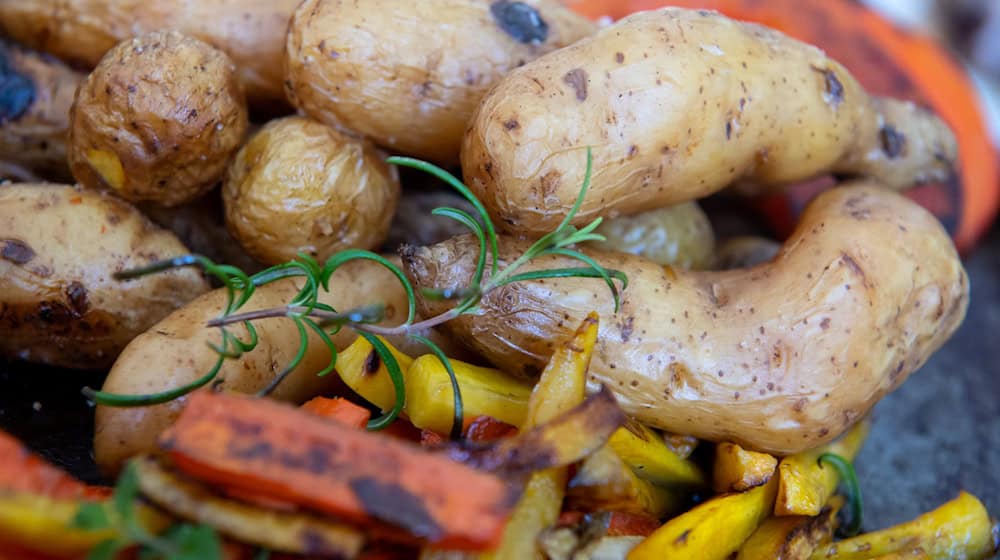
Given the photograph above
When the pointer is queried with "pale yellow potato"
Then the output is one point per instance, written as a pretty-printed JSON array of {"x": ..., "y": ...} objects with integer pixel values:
[
  {"x": 299, "y": 186},
  {"x": 34, "y": 120},
  {"x": 59, "y": 247},
  {"x": 677, "y": 104},
  {"x": 157, "y": 120},
  {"x": 408, "y": 75},
  {"x": 778, "y": 358},
  {"x": 251, "y": 32},
  {"x": 679, "y": 236}
]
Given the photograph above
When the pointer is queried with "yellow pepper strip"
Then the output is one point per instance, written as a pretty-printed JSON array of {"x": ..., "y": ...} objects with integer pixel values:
[
  {"x": 430, "y": 402},
  {"x": 961, "y": 528},
  {"x": 560, "y": 388},
  {"x": 711, "y": 531},
  {"x": 603, "y": 482},
  {"x": 645, "y": 451},
  {"x": 362, "y": 370},
  {"x": 911, "y": 554},
  {"x": 804, "y": 485},
  {"x": 737, "y": 469},
  {"x": 792, "y": 537},
  {"x": 44, "y": 524}
]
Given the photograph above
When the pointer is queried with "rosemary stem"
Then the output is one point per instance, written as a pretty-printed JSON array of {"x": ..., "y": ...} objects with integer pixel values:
[{"x": 279, "y": 312}]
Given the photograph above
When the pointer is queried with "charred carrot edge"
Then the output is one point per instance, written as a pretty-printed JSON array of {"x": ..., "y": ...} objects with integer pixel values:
[
  {"x": 23, "y": 471},
  {"x": 625, "y": 524},
  {"x": 339, "y": 410},
  {"x": 287, "y": 454}
]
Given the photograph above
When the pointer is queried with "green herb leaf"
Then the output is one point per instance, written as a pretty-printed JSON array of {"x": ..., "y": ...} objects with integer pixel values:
[
  {"x": 106, "y": 550},
  {"x": 91, "y": 516},
  {"x": 850, "y": 488},
  {"x": 126, "y": 491},
  {"x": 398, "y": 383},
  {"x": 195, "y": 542}
]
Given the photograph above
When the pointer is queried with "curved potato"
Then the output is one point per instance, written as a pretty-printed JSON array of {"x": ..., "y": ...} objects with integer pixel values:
[
  {"x": 34, "y": 111},
  {"x": 59, "y": 247},
  {"x": 677, "y": 104},
  {"x": 678, "y": 236},
  {"x": 408, "y": 75},
  {"x": 299, "y": 186},
  {"x": 251, "y": 32},
  {"x": 157, "y": 120},
  {"x": 778, "y": 358},
  {"x": 175, "y": 352}
]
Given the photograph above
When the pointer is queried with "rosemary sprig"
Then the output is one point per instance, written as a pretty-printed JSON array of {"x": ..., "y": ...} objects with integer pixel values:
[
  {"x": 850, "y": 488},
  {"x": 310, "y": 315}
]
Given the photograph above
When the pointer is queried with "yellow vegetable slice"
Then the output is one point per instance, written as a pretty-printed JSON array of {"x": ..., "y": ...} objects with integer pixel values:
[
  {"x": 711, "y": 531},
  {"x": 792, "y": 537},
  {"x": 362, "y": 370},
  {"x": 804, "y": 485},
  {"x": 646, "y": 452},
  {"x": 737, "y": 469},
  {"x": 604, "y": 482}
]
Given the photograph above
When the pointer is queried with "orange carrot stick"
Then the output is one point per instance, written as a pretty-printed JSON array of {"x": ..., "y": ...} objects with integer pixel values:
[
  {"x": 339, "y": 410},
  {"x": 23, "y": 471}
]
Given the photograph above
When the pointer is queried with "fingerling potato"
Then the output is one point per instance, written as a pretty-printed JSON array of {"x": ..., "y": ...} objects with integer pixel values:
[
  {"x": 59, "y": 247},
  {"x": 778, "y": 358},
  {"x": 677, "y": 104},
  {"x": 408, "y": 75},
  {"x": 299, "y": 186},
  {"x": 157, "y": 120},
  {"x": 678, "y": 236}
]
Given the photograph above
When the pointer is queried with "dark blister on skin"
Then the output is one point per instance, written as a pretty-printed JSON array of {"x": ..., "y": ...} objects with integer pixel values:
[
  {"x": 16, "y": 251},
  {"x": 893, "y": 142},
  {"x": 17, "y": 91},
  {"x": 520, "y": 21}
]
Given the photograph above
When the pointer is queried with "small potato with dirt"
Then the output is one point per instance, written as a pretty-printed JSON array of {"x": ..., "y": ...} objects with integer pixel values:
[
  {"x": 778, "y": 358},
  {"x": 299, "y": 186},
  {"x": 677, "y": 104},
  {"x": 59, "y": 249},
  {"x": 679, "y": 236},
  {"x": 408, "y": 75},
  {"x": 158, "y": 120},
  {"x": 37, "y": 92}
]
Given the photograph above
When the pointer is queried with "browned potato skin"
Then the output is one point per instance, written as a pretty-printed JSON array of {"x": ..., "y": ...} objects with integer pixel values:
[
  {"x": 779, "y": 358},
  {"x": 59, "y": 247},
  {"x": 409, "y": 74},
  {"x": 252, "y": 32},
  {"x": 35, "y": 140},
  {"x": 157, "y": 120},
  {"x": 174, "y": 353},
  {"x": 299, "y": 186},
  {"x": 677, "y": 104}
]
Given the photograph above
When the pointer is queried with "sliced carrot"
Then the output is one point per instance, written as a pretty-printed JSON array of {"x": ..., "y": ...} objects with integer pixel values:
[
  {"x": 339, "y": 410},
  {"x": 277, "y": 451},
  {"x": 625, "y": 524},
  {"x": 484, "y": 429},
  {"x": 23, "y": 471}
]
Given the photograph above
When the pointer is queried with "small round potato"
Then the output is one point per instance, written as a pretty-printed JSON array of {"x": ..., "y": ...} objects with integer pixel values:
[
  {"x": 157, "y": 120},
  {"x": 59, "y": 301},
  {"x": 679, "y": 236},
  {"x": 409, "y": 75},
  {"x": 299, "y": 186}
]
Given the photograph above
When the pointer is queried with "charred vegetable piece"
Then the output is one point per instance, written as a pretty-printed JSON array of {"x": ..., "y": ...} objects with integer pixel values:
[
  {"x": 339, "y": 410},
  {"x": 281, "y": 452},
  {"x": 792, "y": 538},
  {"x": 649, "y": 456},
  {"x": 805, "y": 485},
  {"x": 961, "y": 528},
  {"x": 738, "y": 470},
  {"x": 604, "y": 482}
]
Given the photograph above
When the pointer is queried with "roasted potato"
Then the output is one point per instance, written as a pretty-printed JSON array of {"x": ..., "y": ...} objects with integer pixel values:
[
  {"x": 302, "y": 187},
  {"x": 779, "y": 358},
  {"x": 252, "y": 32},
  {"x": 157, "y": 120},
  {"x": 34, "y": 112},
  {"x": 409, "y": 74},
  {"x": 59, "y": 247},
  {"x": 679, "y": 236},
  {"x": 678, "y": 104}
]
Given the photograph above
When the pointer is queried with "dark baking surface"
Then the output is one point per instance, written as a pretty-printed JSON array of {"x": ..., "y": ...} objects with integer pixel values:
[{"x": 938, "y": 434}]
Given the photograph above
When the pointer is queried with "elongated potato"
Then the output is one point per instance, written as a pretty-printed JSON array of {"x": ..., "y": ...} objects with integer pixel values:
[
  {"x": 157, "y": 120},
  {"x": 175, "y": 352},
  {"x": 678, "y": 104},
  {"x": 779, "y": 358},
  {"x": 252, "y": 32},
  {"x": 34, "y": 111},
  {"x": 302, "y": 187},
  {"x": 409, "y": 74},
  {"x": 59, "y": 247}
]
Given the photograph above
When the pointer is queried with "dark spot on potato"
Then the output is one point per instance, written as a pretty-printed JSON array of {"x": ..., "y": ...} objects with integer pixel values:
[
  {"x": 825, "y": 323},
  {"x": 619, "y": 57},
  {"x": 520, "y": 21},
  {"x": 17, "y": 91},
  {"x": 682, "y": 539},
  {"x": 633, "y": 151},
  {"x": 626, "y": 329},
  {"x": 855, "y": 267},
  {"x": 549, "y": 183},
  {"x": 577, "y": 79},
  {"x": 729, "y": 130},
  {"x": 372, "y": 363},
  {"x": 388, "y": 501},
  {"x": 511, "y": 124},
  {"x": 17, "y": 251},
  {"x": 76, "y": 293},
  {"x": 834, "y": 88},
  {"x": 893, "y": 141}
]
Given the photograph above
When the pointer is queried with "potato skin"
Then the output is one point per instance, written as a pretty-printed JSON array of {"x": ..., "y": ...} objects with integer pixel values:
[
  {"x": 34, "y": 112},
  {"x": 780, "y": 358},
  {"x": 677, "y": 104},
  {"x": 252, "y": 32},
  {"x": 300, "y": 186},
  {"x": 59, "y": 247},
  {"x": 409, "y": 74},
  {"x": 157, "y": 120},
  {"x": 679, "y": 236}
]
